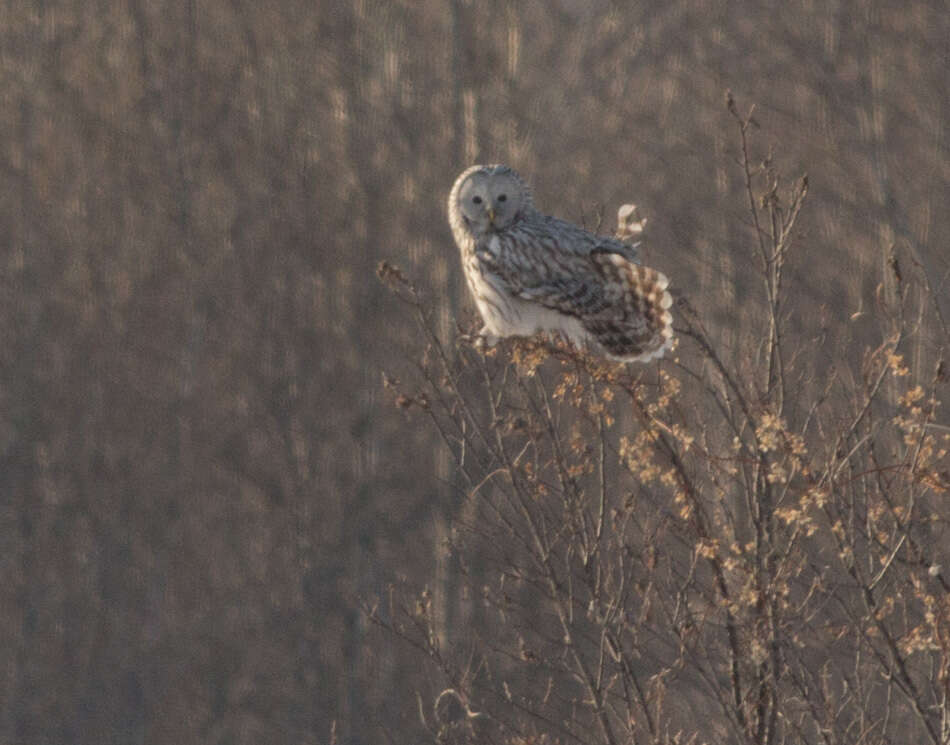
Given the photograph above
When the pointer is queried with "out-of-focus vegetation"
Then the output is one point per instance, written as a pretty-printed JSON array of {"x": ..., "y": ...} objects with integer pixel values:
[{"x": 201, "y": 475}]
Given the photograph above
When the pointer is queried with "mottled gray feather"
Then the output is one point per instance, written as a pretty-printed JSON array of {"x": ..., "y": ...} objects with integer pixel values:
[{"x": 531, "y": 272}]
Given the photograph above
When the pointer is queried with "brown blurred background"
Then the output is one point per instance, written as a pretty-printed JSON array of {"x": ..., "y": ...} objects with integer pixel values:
[{"x": 199, "y": 472}]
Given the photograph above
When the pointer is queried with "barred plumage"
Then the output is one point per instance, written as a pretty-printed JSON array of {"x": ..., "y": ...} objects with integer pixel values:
[{"x": 531, "y": 272}]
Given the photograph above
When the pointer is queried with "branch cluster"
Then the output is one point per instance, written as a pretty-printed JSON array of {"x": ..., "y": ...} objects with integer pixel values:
[{"x": 699, "y": 552}]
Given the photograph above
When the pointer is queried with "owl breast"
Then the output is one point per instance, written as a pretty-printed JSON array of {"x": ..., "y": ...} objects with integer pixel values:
[{"x": 505, "y": 314}]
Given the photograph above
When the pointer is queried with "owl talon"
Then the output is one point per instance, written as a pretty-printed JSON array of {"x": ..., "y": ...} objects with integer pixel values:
[
  {"x": 482, "y": 340},
  {"x": 485, "y": 340}
]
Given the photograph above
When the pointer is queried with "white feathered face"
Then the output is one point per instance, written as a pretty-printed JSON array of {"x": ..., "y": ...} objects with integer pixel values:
[{"x": 491, "y": 198}]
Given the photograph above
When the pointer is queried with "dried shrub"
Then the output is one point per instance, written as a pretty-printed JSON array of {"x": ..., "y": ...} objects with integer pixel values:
[{"x": 699, "y": 551}]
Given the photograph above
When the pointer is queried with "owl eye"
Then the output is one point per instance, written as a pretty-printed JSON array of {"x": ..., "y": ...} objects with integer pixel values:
[
  {"x": 477, "y": 200},
  {"x": 503, "y": 198}
]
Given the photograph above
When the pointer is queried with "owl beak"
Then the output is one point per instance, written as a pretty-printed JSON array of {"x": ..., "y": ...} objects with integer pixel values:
[{"x": 491, "y": 215}]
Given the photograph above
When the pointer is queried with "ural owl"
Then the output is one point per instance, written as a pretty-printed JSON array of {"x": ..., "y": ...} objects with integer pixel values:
[{"x": 530, "y": 272}]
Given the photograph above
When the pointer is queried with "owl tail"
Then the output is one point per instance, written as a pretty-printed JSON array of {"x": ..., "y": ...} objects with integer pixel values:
[{"x": 637, "y": 327}]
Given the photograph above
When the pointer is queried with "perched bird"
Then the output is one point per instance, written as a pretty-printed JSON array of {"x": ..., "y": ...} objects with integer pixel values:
[{"x": 530, "y": 272}]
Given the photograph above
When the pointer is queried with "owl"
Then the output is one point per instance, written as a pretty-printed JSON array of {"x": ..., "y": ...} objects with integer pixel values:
[{"x": 531, "y": 273}]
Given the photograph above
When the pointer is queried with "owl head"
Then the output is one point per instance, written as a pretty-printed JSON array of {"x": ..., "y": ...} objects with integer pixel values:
[{"x": 487, "y": 199}]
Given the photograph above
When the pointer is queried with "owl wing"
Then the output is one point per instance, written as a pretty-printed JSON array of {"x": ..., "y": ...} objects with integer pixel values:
[
  {"x": 561, "y": 269},
  {"x": 599, "y": 285},
  {"x": 621, "y": 304}
]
